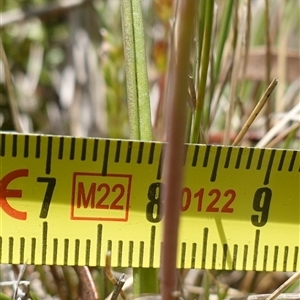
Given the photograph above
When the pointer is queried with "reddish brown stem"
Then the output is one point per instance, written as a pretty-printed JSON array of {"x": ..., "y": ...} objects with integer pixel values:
[
  {"x": 176, "y": 102},
  {"x": 88, "y": 291}
]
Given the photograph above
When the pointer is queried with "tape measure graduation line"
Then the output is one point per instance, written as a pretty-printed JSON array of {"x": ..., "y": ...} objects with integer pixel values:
[{"x": 67, "y": 201}]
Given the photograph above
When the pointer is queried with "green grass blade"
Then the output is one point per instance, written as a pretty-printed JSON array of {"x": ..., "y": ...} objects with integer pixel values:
[
  {"x": 145, "y": 280},
  {"x": 224, "y": 30},
  {"x": 204, "y": 69},
  {"x": 199, "y": 41},
  {"x": 141, "y": 72},
  {"x": 130, "y": 62}
]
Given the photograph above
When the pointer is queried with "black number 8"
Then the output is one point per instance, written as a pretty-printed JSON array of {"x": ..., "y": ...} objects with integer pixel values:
[
  {"x": 154, "y": 208},
  {"x": 261, "y": 203}
]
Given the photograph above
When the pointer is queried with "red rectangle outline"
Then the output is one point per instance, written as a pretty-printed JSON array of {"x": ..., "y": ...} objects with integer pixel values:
[{"x": 125, "y": 219}]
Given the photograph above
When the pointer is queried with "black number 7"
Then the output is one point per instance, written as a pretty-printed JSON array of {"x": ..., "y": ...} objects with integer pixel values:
[{"x": 48, "y": 195}]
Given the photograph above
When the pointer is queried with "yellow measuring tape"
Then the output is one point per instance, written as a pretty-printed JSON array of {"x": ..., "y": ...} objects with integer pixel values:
[{"x": 67, "y": 201}]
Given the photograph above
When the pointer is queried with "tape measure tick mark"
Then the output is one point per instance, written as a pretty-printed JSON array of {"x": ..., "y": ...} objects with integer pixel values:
[
  {"x": 193, "y": 257},
  {"x": 118, "y": 150},
  {"x": 216, "y": 164},
  {"x": 286, "y": 253},
  {"x": 2, "y": 148},
  {"x": 38, "y": 147},
  {"x": 26, "y": 146},
  {"x": 296, "y": 256},
  {"x": 140, "y": 153},
  {"x": 152, "y": 246},
  {"x": 260, "y": 160},
  {"x": 120, "y": 252},
  {"x": 256, "y": 243},
  {"x": 76, "y": 256},
  {"x": 11, "y": 250},
  {"x": 129, "y": 150},
  {"x": 183, "y": 253},
  {"x": 245, "y": 257},
  {"x": 72, "y": 149},
  {"x": 141, "y": 256},
  {"x": 195, "y": 157},
  {"x": 281, "y": 160},
  {"x": 225, "y": 251},
  {"x": 151, "y": 153},
  {"x": 275, "y": 258},
  {"x": 109, "y": 246},
  {"x": 234, "y": 256},
  {"x": 228, "y": 156},
  {"x": 204, "y": 247},
  {"x": 87, "y": 252},
  {"x": 269, "y": 167},
  {"x": 44, "y": 242},
  {"x": 99, "y": 244},
  {"x": 83, "y": 149},
  {"x": 22, "y": 247},
  {"x": 105, "y": 158},
  {"x": 33, "y": 248},
  {"x": 206, "y": 156},
  {"x": 239, "y": 158},
  {"x": 49, "y": 155},
  {"x": 250, "y": 156},
  {"x": 161, "y": 161},
  {"x": 266, "y": 251},
  {"x": 95, "y": 150},
  {"x": 214, "y": 256},
  {"x": 291, "y": 166},
  {"x": 14, "y": 145},
  {"x": 66, "y": 251},
  {"x": 61, "y": 148},
  {"x": 130, "y": 254},
  {"x": 55, "y": 248}
]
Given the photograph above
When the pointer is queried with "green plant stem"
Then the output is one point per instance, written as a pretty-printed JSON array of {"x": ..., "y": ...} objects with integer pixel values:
[
  {"x": 199, "y": 48},
  {"x": 199, "y": 44},
  {"x": 206, "y": 285},
  {"x": 141, "y": 72},
  {"x": 136, "y": 70},
  {"x": 268, "y": 110},
  {"x": 224, "y": 28},
  {"x": 188, "y": 126},
  {"x": 240, "y": 22},
  {"x": 204, "y": 68},
  {"x": 131, "y": 81},
  {"x": 290, "y": 138},
  {"x": 10, "y": 90},
  {"x": 145, "y": 280}
]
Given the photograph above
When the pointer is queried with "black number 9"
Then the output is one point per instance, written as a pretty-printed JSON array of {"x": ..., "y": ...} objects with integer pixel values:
[
  {"x": 154, "y": 207},
  {"x": 261, "y": 203}
]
